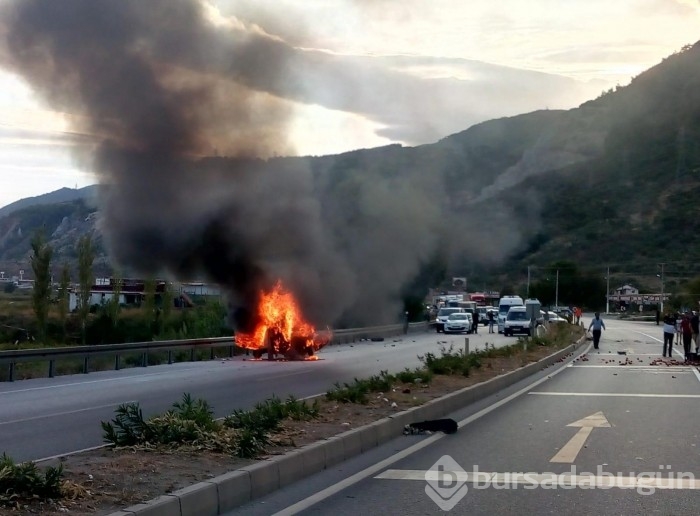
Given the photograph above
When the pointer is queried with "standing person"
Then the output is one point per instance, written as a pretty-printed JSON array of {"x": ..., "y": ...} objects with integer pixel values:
[
  {"x": 489, "y": 314},
  {"x": 475, "y": 321},
  {"x": 687, "y": 334},
  {"x": 598, "y": 325},
  {"x": 669, "y": 332},
  {"x": 678, "y": 328},
  {"x": 695, "y": 326}
]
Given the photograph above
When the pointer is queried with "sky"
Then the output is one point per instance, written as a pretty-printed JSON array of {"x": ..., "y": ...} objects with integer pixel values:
[{"x": 374, "y": 72}]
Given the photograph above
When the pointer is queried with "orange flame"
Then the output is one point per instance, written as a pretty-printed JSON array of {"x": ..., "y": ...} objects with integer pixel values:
[{"x": 281, "y": 327}]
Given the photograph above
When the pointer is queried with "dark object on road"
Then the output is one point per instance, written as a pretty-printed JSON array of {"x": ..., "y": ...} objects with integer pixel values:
[
  {"x": 448, "y": 426},
  {"x": 377, "y": 339},
  {"x": 622, "y": 352}
]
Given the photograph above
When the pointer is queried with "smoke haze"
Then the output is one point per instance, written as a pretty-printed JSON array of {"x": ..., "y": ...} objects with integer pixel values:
[{"x": 167, "y": 88}]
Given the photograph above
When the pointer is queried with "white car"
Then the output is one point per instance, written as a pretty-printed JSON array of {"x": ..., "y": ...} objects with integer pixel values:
[
  {"x": 459, "y": 323},
  {"x": 552, "y": 317},
  {"x": 442, "y": 316}
]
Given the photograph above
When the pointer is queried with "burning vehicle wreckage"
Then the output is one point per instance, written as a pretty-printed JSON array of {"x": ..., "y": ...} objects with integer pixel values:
[{"x": 280, "y": 331}]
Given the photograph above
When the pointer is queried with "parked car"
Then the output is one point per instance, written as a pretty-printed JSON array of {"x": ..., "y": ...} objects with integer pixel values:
[
  {"x": 460, "y": 322},
  {"x": 554, "y": 318},
  {"x": 484, "y": 314},
  {"x": 563, "y": 312},
  {"x": 442, "y": 316}
]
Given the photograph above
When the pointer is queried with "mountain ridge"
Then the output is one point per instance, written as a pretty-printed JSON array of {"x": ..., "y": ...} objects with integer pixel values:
[{"x": 609, "y": 181}]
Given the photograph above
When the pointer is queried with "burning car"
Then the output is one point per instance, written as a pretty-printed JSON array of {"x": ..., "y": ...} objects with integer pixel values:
[{"x": 281, "y": 330}]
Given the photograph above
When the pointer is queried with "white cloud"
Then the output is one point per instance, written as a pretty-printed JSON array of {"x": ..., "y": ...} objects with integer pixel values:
[{"x": 370, "y": 72}]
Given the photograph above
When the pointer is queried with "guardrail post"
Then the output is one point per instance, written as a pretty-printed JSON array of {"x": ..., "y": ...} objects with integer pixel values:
[
  {"x": 144, "y": 359},
  {"x": 230, "y": 351},
  {"x": 192, "y": 355},
  {"x": 116, "y": 362},
  {"x": 211, "y": 355},
  {"x": 11, "y": 372},
  {"x": 170, "y": 356},
  {"x": 86, "y": 364},
  {"x": 51, "y": 368}
]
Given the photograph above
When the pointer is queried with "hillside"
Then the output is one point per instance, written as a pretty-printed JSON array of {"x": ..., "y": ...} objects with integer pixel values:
[
  {"x": 57, "y": 196},
  {"x": 612, "y": 181}
]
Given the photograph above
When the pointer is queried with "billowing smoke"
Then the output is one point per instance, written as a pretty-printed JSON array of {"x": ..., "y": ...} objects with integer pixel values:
[{"x": 188, "y": 111}]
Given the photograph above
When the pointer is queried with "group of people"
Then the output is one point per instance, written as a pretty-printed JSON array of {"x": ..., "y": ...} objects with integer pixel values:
[{"x": 683, "y": 328}]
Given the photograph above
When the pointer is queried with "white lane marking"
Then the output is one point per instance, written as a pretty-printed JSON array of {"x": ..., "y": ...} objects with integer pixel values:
[
  {"x": 696, "y": 373},
  {"x": 615, "y": 394},
  {"x": 499, "y": 480},
  {"x": 318, "y": 497},
  {"x": 58, "y": 386},
  {"x": 92, "y": 448},
  {"x": 647, "y": 335},
  {"x": 267, "y": 378},
  {"x": 55, "y": 414},
  {"x": 313, "y": 396},
  {"x": 569, "y": 452},
  {"x": 660, "y": 367}
]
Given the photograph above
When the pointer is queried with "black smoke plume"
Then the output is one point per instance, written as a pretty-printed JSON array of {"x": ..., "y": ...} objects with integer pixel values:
[{"x": 166, "y": 90}]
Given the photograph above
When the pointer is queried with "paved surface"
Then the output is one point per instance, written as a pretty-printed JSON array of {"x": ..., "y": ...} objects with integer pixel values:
[
  {"x": 46, "y": 417},
  {"x": 607, "y": 420}
]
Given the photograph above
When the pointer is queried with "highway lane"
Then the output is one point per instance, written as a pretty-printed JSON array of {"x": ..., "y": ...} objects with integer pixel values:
[
  {"x": 51, "y": 416},
  {"x": 608, "y": 421}
]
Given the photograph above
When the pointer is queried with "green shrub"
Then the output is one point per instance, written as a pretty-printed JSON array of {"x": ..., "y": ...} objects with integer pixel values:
[
  {"x": 355, "y": 392},
  {"x": 410, "y": 376},
  {"x": 25, "y": 481},
  {"x": 449, "y": 362}
]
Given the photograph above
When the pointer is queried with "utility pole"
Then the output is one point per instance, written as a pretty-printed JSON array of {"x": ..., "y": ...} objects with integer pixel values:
[
  {"x": 607, "y": 291},
  {"x": 527, "y": 295},
  {"x": 556, "y": 294}
]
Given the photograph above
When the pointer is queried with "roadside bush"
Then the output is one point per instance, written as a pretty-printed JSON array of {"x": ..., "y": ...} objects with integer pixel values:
[
  {"x": 355, "y": 392},
  {"x": 381, "y": 382},
  {"x": 25, "y": 481},
  {"x": 449, "y": 362},
  {"x": 254, "y": 426},
  {"x": 410, "y": 376}
]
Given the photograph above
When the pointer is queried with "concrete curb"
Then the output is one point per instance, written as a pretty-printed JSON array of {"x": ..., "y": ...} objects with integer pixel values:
[{"x": 226, "y": 492}]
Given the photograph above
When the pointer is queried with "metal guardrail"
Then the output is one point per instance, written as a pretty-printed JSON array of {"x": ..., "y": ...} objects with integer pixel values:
[{"x": 51, "y": 355}]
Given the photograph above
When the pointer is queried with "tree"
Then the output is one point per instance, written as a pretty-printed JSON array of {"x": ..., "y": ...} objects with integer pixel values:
[
  {"x": 63, "y": 298},
  {"x": 167, "y": 307},
  {"x": 114, "y": 306},
  {"x": 86, "y": 255},
  {"x": 41, "y": 267},
  {"x": 149, "y": 304}
]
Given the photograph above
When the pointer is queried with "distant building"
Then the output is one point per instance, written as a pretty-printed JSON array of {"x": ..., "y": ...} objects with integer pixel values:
[
  {"x": 132, "y": 292},
  {"x": 627, "y": 294}
]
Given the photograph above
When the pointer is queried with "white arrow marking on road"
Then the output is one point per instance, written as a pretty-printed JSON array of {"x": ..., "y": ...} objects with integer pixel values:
[{"x": 571, "y": 449}]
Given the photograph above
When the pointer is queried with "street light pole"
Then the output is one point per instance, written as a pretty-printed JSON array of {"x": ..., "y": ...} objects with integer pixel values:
[{"x": 556, "y": 293}]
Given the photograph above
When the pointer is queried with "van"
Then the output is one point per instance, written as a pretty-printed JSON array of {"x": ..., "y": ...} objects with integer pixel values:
[
  {"x": 505, "y": 303},
  {"x": 517, "y": 321}
]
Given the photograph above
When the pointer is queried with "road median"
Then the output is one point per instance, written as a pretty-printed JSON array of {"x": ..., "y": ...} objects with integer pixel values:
[{"x": 235, "y": 488}]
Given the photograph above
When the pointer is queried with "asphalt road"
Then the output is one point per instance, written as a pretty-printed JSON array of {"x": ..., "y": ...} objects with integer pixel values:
[
  {"x": 606, "y": 435},
  {"x": 46, "y": 417}
]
